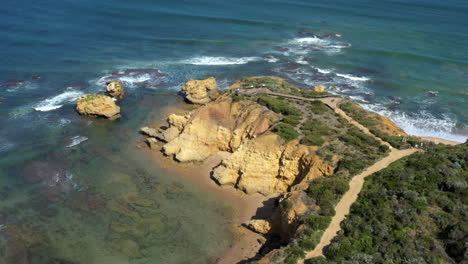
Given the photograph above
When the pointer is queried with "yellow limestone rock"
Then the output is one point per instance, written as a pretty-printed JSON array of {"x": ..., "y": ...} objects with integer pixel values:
[
  {"x": 115, "y": 89},
  {"x": 219, "y": 126},
  {"x": 266, "y": 165},
  {"x": 260, "y": 226},
  {"x": 319, "y": 88},
  {"x": 98, "y": 105},
  {"x": 201, "y": 91}
]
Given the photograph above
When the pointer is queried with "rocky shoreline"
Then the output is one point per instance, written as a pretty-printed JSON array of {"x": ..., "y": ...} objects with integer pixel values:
[
  {"x": 256, "y": 159},
  {"x": 276, "y": 143}
]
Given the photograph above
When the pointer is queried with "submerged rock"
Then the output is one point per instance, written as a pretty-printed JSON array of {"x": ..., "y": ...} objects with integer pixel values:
[
  {"x": 115, "y": 89},
  {"x": 98, "y": 105},
  {"x": 201, "y": 91}
]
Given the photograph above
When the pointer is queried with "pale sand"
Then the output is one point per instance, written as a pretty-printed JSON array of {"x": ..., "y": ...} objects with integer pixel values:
[
  {"x": 246, "y": 243},
  {"x": 344, "y": 205}
]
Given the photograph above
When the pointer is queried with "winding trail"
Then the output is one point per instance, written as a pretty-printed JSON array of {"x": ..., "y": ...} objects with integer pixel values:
[
  {"x": 344, "y": 205},
  {"x": 356, "y": 183}
]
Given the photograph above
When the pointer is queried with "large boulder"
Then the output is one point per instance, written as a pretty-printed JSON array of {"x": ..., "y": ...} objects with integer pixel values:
[
  {"x": 98, "y": 105},
  {"x": 115, "y": 89},
  {"x": 201, "y": 91},
  {"x": 319, "y": 88}
]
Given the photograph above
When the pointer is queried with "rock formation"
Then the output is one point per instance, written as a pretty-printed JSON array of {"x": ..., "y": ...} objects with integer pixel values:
[
  {"x": 98, "y": 105},
  {"x": 266, "y": 165},
  {"x": 115, "y": 89},
  {"x": 260, "y": 161},
  {"x": 319, "y": 88},
  {"x": 220, "y": 126},
  {"x": 260, "y": 226},
  {"x": 201, "y": 91}
]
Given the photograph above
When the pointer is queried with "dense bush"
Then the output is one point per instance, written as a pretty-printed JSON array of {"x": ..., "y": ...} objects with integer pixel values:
[
  {"x": 286, "y": 131},
  {"x": 278, "y": 105},
  {"x": 414, "y": 211},
  {"x": 293, "y": 120},
  {"x": 317, "y": 107},
  {"x": 271, "y": 83},
  {"x": 312, "y": 140},
  {"x": 315, "y": 127}
]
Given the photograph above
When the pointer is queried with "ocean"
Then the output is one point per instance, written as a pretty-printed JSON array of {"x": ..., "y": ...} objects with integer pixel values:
[{"x": 67, "y": 182}]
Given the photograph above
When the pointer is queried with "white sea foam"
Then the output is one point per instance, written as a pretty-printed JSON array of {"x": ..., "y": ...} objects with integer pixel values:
[
  {"x": 323, "y": 71},
  {"x": 310, "y": 40},
  {"x": 52, "y": 103},
  {"x": 76, "y": 140},
  {"x": 352, "y": 77},
  {"x": 422, "y": 123},
  {"x": 271, "y": 59},
  {"x": 301, "y": 60},
  {"x": 135, "y": 79},
  {"x": 207, "y": 60}
]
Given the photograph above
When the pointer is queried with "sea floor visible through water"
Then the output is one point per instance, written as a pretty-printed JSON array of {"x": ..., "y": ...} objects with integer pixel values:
[{"x": 107, "y": 201}]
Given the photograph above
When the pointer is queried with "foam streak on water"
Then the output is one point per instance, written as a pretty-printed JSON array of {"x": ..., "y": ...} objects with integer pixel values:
[{"x": 55, "y": 102}]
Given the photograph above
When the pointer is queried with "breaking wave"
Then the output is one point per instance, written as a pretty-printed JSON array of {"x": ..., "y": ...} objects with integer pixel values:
[
  {"x": 49, "y": 104},
  {"x": 216, "y": 61}
]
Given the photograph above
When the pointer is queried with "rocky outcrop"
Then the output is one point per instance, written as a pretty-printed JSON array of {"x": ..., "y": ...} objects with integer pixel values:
[
  {"x": 115, "y": 89},
  {"x": 286, "y": 219},
  {"x": 201, "y": 91},
  {"x": 220, "y": 126},
  {"x": 319, "y": 88},
  {"x": 98, "y": 105},
  {"x": 261, "y": 161},
  {"x": 260, "y": 226},
  {"x": 266, "y": 165}
]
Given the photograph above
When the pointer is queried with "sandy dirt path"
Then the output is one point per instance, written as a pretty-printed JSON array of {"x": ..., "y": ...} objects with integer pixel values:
[{"x": 344, "y": 205}]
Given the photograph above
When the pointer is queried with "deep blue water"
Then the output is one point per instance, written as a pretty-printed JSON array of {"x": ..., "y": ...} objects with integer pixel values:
[{"x": 405, "y": 59}]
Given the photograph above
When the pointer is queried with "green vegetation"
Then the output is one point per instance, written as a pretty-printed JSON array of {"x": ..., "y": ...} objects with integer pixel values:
[
  {"x": 89, "y": 97},
  {"x": 286, "y": 131},
  {"x": 326, "y": 192},
  {"x": 278, "y": 106},
  {"x": 414, "y": 211},
  {"x": 317, "y": 107},
  {"x": 312, "y": 140},
  {"x": 308, "y": 93},
  {"x": 293, "y": 120},
  {"x": 375, "y": 125},
  {"x": 274, "y": 84}
]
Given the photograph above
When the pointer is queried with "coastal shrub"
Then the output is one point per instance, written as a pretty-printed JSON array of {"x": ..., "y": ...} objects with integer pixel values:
[
  {"x": 278, "y": 106},
  {"x": 274, "y": 84},
  {"x": 308, "y": 93},
  {"x": 352, "y": 165},
  {"x": 395, "y": 141},
  {"x": 317, "y": 107},
  {"x": 414, "y": 211},
  {"x": 293, "y": 120},
  {"x": 237, "y": 98},
  {"x": 286, "y": 131},
  {"x": 315, "y": 127},
  {"x": 294, "y": 252},
  {"x": 312, "y": 140},
  {"x": 318, "y": 222}
]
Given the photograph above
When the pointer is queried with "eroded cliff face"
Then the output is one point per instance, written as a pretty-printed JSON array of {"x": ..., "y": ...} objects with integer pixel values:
[
  {"x": 260, "y": 162},
  {"x": 266, "y": 165},
  {"x": 222, "y": 125}
]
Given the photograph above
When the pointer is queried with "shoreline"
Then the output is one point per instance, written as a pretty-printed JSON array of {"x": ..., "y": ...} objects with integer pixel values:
[{"x": 246, "y": 243}]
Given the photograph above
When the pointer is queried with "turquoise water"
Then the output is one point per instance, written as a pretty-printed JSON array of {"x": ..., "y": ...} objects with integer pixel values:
[{"x": 405, "y": 59}]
